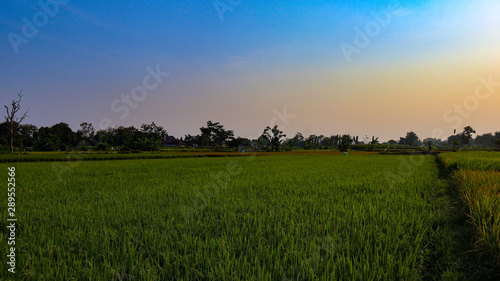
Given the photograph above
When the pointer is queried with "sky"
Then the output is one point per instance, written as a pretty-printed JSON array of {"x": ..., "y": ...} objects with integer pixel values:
[{"x": 375, "y": 68}]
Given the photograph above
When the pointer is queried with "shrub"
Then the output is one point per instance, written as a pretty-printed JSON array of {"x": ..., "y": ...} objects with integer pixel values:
[{"x": 102, "y": 147}]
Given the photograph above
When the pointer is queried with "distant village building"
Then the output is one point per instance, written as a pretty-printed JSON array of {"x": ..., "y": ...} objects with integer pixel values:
[{"x": 171, "y": 141}]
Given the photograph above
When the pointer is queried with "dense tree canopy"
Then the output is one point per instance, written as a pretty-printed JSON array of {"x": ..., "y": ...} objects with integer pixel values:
[
  {"x": 412, "y": 139},
  {"x": 150, "y": 137},
  {"x": 274, "y": 137},
  {"x": 214, "y": 134},
  {"x": 467, "y": 135}
]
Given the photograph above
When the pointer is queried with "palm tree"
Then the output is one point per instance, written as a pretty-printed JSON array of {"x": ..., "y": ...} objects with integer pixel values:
[{"x": 373, "y": 143}]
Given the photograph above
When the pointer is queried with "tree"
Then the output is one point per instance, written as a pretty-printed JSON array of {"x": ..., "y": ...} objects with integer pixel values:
[
  {"x": 4, "y": 134},
  {"x": 149, "y": 137},
  {"x": 373, "y": 142},
  {"x": 497, "y": 135},
  {"x": 58, "y": 137},
  {"x": 320, "y": 140},
  {"x": 429, "y": 145},
  {"x": 221, "y": 136},
  {"x": 288, "y": 145},
  {"x": 24, "y": 135},
  {"x": 215, "y": 134},
  {"x": 412, "y": 139},
  {"x": 208, "y": 133},
  {"x": 87, "y": 132},
  {"x": 298, "y": 140},
  {"x": 117, "y": 137},
  {"x": 467, "y": 135},
  {"x": 27, "y": 135},
  {"x": 102, "y": 136},
  {"x": 45, "y": 140},
  {"x": 312, "y": 142},
  {"x": 435, "y": 142},
  {"x": 153, "y": 136},
  {"x": 238, "y": 142},
  {"x": 329, "y": 141},
  {"x": 67, "y": 138},
  {"x": 497, "y": 143},
  {"x": 191, "y": 140},
  {"x": 335, "y": 140},
  {"x": 345, "y": 143},
  {"x": 274, "y": 136},
  {"x": 308, "y": 143},
  {"x": 485, "y": 140},
  {"x": 13, "y": 122},
  {"x": 454, "y": 138},
  {"x": 262, "y": 142}
]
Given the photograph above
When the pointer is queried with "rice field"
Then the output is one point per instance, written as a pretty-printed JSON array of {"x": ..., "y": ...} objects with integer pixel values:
[
  {"x": 481, "y": 192},
  {"x": 472, "y": 160},
  {"x": 477, "y": 176},
  {"x": 280, "y": 217},
  {"x": 75, "y": 156}
]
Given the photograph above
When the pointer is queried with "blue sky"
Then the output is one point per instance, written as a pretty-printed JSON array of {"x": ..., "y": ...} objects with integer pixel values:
[{"x": 264, "y": 56}]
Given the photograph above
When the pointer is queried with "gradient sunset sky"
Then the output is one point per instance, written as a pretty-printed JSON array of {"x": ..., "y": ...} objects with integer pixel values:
[{"x": 424, "y": 60}]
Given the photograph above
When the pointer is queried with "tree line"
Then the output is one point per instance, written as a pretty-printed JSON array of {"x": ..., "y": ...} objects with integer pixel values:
[{"x": 151, "y": 137}]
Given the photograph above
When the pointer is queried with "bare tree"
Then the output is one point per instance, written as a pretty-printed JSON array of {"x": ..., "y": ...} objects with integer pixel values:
[{"x": 13, "y": 122}]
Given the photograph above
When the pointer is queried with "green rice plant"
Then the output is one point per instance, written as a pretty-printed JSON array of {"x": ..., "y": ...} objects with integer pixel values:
[
  {"x": 481, "y": 161},
  {"x": 94, "y": 156},
  {"x": 481, "y": 191},
  {"x": 477, "y": 177},
  {"x": 279, "y": 217}
]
